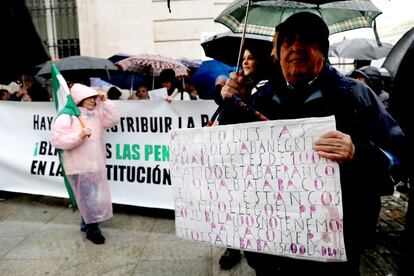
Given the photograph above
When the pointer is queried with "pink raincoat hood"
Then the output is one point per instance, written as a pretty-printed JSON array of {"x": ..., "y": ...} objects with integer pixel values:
[{"x": 80, "y": 92}]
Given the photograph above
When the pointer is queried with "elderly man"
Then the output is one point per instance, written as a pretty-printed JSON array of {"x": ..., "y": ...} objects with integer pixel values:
[{"x": 305, "y": 85}]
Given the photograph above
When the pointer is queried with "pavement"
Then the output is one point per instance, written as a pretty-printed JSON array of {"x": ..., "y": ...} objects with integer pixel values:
[{"x": 40, "y": 235}]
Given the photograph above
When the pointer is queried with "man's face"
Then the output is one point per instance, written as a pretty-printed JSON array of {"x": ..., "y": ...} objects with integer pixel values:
[{"x": 301, "y": 59}]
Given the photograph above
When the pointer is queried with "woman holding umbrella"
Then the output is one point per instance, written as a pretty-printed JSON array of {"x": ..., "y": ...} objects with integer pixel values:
[
  {"x": 255, "y": 72},
  {"x": 256, "y": 69}
]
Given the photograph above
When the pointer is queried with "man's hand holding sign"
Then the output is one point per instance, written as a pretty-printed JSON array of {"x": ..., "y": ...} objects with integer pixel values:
[{"x": 336, "y": 146}]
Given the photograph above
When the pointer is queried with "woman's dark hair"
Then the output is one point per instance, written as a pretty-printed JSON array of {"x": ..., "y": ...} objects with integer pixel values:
[
  {"x": 168, "y": 75},
  {"x": 261, "y": 53},
  {"x": 114, "y": 93}
]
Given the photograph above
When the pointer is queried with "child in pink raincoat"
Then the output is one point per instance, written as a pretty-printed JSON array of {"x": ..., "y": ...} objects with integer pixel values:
[{"x": 84, "y": 156}]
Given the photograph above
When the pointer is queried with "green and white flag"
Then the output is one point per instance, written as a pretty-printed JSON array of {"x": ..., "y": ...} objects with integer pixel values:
[
  {"x": 63, "y": 100},
  {"x": 64, "y": 105}
]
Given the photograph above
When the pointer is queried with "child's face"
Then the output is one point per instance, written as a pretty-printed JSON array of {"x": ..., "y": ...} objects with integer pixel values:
[
  {"x": 89, "y": 103},
  {"x": 142, "y": 93}
]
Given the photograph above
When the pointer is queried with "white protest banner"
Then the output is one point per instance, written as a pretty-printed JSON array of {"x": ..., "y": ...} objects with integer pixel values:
[
  {"x": 259, "y": 187},
  {"x": 137, "y": 149}
]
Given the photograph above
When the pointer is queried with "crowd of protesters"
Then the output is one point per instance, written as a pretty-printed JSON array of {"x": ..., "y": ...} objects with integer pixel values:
[
  {"x": 30, "y": 90},
  {"x": 293, "y": 80}
]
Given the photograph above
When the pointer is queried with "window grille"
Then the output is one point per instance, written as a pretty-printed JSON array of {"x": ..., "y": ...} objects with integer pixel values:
[{"x": 57, "y": 24}]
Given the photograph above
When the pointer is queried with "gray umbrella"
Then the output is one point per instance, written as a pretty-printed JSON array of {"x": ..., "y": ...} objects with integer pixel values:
[
  {"x": 80, "y": 63},
  {"x": 360, "y": 48}
]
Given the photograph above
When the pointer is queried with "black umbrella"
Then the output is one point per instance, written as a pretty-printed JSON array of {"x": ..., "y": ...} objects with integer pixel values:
[
  {"x": 118, "y": 57},
  {"x": 398, "y": 52},
  {"x": 402, "y": 93},
  {"x": 225, "y": 46},
  {"x": 21, "y": 48}
]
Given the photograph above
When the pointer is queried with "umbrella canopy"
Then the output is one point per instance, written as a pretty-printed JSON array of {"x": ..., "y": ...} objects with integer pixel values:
[
  {"x": 190, "y": 63},
  {"x": 205, "y": 77},
  {"x": 360, "y": 48},
  {"x": 318, "y": 2},
  {"x": 266, "y": 14},
  {"x": 398, "y": 52},
  {"x": 80, "y": 65},
  {"x": 224, "y": 46},
  {"x": 401, "y": 94},
  {"x": 152, "y": 65}
]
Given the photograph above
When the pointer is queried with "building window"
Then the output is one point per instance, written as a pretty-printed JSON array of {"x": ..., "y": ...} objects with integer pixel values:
[{"x": 57, "y": 24}]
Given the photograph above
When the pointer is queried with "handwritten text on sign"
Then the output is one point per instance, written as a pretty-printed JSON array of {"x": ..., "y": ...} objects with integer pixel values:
[{"x": 259, "y": 187}]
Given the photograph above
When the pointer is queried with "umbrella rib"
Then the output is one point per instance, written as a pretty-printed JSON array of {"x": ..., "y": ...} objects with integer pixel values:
[{"x": 243, "y": 35}]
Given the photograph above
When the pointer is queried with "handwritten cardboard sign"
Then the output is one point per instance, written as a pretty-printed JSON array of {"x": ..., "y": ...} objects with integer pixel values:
[
  {"x": 259, "y": 187},
  {"x": 158, "y": 94}
]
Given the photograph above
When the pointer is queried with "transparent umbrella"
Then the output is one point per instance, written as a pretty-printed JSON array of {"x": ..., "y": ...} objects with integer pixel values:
[{"x": 360, "y": 48}]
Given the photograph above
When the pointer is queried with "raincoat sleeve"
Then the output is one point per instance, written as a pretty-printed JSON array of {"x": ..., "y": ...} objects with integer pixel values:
[
  {"x": 110, "y": 114},
  {"x": 66, "y": 133}
]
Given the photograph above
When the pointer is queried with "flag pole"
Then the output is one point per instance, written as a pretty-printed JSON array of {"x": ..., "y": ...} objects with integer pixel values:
[{"x": 64, "y": 105}]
